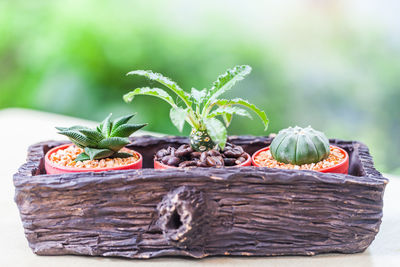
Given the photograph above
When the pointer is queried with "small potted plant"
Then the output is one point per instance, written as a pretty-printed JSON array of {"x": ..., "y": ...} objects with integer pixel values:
[
  {"x": 100, "y": 149},
  {"x": 208, "y": 146},
  {"x": 302, "y": 149}
]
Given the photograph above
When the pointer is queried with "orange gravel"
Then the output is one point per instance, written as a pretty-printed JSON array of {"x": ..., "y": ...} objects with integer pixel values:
[
  {"x": 66, "y": 157},
  {"x": 265, "y": 159}
]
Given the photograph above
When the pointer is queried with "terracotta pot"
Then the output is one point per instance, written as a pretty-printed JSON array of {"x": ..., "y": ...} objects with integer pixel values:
[
  {"x": 161, "y": 166},
  {"x": 342, "y": 167},
  {"x": 52, "y": 168}
]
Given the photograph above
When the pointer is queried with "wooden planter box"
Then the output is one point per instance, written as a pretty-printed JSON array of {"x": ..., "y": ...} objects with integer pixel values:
[{"x": 200, "y": 212}]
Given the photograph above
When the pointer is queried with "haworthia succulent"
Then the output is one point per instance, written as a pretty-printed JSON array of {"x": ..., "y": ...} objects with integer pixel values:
[
  {"x": 106, "y": 140},
  {"x": 82, "y": 157},
  {"x": 78, "y": 138},
  {"x": 114, "y": 143},
  {"x": 122, "y": 155},
  {"x": 125, "y": 130},
  {"x": 77, "y": 127},
  {"x": 121, "y": 121},
  {"x": 97, "y": 153},
  {"x": 92, "y": 134},
  {"x": 106, "y": 126}
]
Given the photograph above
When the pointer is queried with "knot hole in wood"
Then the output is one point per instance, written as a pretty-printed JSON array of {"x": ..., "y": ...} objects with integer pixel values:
[{"x": 182, "y": 216}]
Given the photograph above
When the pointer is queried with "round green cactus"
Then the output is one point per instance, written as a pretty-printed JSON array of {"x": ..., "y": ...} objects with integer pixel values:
[{"x": 300, "y": 146}]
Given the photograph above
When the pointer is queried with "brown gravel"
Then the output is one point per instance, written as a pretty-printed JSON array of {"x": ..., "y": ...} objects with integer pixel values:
[
  {"x": 66, "y": 157},
  {"x": 265, "y": 159}
]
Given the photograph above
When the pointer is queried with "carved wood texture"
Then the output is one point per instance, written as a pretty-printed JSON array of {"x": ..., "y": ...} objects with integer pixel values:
[{"x": 200, "y": 212}]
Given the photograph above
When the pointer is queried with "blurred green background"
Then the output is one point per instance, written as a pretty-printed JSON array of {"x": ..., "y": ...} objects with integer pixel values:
[{"x": 332, "y": 64}]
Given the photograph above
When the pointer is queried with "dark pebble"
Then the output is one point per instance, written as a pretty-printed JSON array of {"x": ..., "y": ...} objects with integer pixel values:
[
  {"x": 211, "y": 161},
  {"x": 161, "y": 153},
  {"x": 229, "y": 161},
  {"x": 165, "y": 159},
  {"x": 173, "y": 161},
  {"x": 244, "y": 155},
  {"x": 184, "y": 156},
  {"x": 203, "y": 156},
  {"x": 213, "y": 153},
  {"x": 195, "y": 154},
  {"x": 201, "y": 164},
  {"x": 183, "y": 150},
  {"x": 187, "y": 163},
  {"x": 240, "y": 160},
  {"x": 235, "y": 152},
  {"x": 219, "y": 161},
  {"x": 214, "y": 161}
]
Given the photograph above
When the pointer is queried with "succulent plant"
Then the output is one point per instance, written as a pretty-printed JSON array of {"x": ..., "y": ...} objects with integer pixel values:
[
  {"x": 300, "y": 146},
  {"x": 105, "y": 141},
  {"x": 201, "y": 107}
]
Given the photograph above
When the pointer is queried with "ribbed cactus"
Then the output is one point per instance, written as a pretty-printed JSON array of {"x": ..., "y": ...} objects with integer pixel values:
[
  {"x": 300, "y": 146},
  {"x": 104, "y": 141}
]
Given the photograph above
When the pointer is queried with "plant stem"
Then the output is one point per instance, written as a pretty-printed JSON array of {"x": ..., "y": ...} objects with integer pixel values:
[{"x": 192, "y": 118}]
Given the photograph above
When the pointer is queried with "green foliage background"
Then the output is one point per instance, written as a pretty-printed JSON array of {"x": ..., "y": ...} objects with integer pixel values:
[{"x": 325, "y": 64}]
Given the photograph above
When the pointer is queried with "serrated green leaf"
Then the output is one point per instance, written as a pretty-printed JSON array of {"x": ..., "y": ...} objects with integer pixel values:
[
  {"x": 95, "y": 153},
  {"x": 126, "y": 130},
  {"x": 122, "y": 155},
  {"x": 157, "y": 92},
  {"x": 164, "y": 81},
  {"x": 178, "y": 116},
  {"x": 217, "y": 131},
  {"x": 78, "y": 138},
  {"x": 239, "y": 101},
  {"x": 227, "y": 119},
  {"x": 106, "y": 126},
  {"x": 92, "y": 134},
  {"x": 82, "y": 157},
  {"x": 121, "y": 120},
  {"x": 227, "y": 80},
  {"x": 114, "y": 143},
  {"x": 198, "y": 96},
  {"x": 229, "y": 110}
]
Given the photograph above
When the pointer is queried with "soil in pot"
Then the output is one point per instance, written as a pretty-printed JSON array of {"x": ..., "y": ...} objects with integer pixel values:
[
  {"x": 337, "y": 161},
  {"x": 185, "y": 156},
  {"x": 61, "y": 159}
]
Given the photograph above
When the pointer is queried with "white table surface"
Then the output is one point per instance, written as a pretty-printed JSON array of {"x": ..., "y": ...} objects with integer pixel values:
[{"x": 20, "y": 128}]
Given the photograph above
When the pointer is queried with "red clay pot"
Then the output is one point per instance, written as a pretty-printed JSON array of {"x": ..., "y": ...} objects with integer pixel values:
[
  {"x": 52, "y": 168},
  {"x": 161, "y": 166},
  {"x": 342, "y": 167}
]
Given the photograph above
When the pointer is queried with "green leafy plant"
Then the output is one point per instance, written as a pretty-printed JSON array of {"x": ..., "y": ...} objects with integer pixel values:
[
  {"x": 202, "y": 107},
  {"x": 105, "y": 141}
]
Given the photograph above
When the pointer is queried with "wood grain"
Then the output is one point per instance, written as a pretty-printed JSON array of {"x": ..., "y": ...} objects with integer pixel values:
[{"x": 200, "y": 212}]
